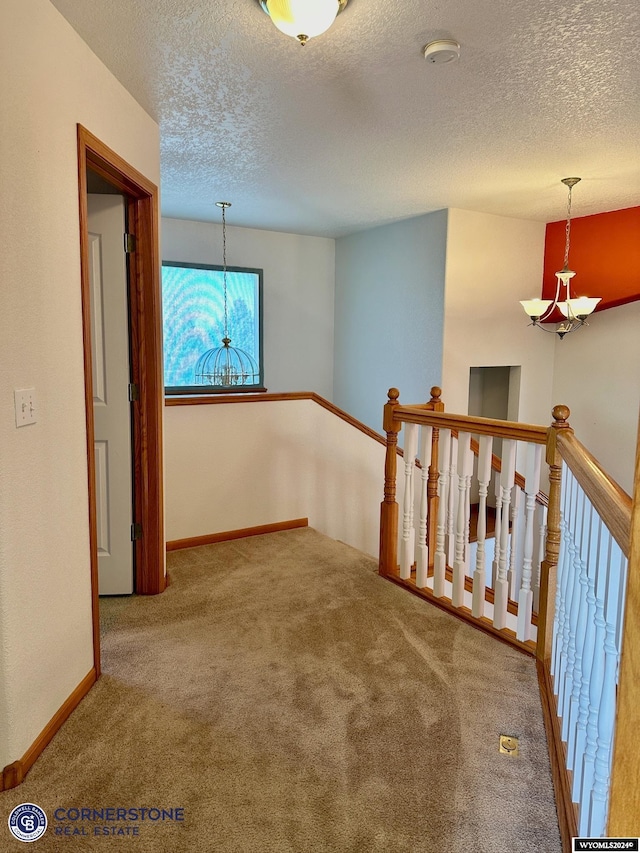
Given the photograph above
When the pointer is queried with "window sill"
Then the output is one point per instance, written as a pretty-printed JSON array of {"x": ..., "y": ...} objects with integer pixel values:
[
  {"x": 203, "y": 391},
  {"x": 202, "y": 398}
]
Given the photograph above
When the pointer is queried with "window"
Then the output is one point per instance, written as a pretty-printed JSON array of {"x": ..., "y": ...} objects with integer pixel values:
[{"x": 193, "y": 324}]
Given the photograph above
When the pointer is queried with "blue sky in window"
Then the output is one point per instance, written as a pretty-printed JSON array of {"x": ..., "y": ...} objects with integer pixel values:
[{"x": 193, "y": 317}]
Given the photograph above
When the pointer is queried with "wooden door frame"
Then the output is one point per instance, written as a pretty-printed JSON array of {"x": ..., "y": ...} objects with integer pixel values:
[{"x": 145, "y": 310}]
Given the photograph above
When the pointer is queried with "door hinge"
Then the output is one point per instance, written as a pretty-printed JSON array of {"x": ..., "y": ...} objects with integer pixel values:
[
  {"x": 129, "y": 243},
  {"x": 134, "y": 394},
  {"x": 136, "y": 532}
]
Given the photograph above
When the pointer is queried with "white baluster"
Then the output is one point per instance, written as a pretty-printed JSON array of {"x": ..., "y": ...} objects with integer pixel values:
[
  {"x": 580, "y": 592},
  {"x": 440, "y": 560},
  {"x": 573, "y": 604},
  {"x": 566, "y": 592},
  {"x": 607, "y": 710},
  {"x": 467, "y": 507},
  {"x": 531, "y": 487},
  {"x": 450, "y": 547},
  {"x": 587, "y": 655},
  {"x": 484, "y": 477},
  {"x": 408, "y": 530},
  {"x": 542, "y": 540},
  {"x": 459, "y": 567},
  {"x": 497, "y": 531},
  {"x": 621, "y": 593},
  {"x": 422, "y": 560},
  {"x": 512, "y": 574},
  {"x": 507, "y": 475},
  {"x": 596, "y": 680},
  {"x": 561, "y": 580},
  {"x": 606, "y": 722}
]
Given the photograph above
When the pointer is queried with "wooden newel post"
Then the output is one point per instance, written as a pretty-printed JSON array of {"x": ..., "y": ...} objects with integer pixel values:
[
  {"x": 550, "y": 563},
  {"x": 435, "y": 404},
  {"x": 389, "y": 507}
]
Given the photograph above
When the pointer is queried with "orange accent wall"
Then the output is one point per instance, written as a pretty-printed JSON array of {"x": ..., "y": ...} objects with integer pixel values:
[{"x": 604, "y": 252}]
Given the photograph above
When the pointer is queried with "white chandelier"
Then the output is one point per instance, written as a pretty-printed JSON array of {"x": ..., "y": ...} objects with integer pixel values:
[
  {"x": 574, "y": 310},
  {"x": 303, "y": 19}
]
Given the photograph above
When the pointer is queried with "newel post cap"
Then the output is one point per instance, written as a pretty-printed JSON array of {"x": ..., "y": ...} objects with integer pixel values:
[
  {"x": 560, "y": 416},
  {"x": 389, "y": 424}
]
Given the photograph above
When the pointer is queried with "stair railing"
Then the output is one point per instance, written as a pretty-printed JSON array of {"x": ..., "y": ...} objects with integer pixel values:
[
  {"x": 492, "y": 581},
  {"x": 580, "y": 664},
  {"x": 551, "y": 582}
]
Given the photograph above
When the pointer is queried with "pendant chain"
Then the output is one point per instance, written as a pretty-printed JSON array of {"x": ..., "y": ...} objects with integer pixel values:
[
  {"x": 567, "y": 232},
  {"x": 224, "y": 269}
]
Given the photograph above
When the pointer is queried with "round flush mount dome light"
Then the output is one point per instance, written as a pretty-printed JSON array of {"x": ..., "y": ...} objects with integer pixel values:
[
  {"x": 303, "y": 19},
  {"x": 441, "y": 51}
]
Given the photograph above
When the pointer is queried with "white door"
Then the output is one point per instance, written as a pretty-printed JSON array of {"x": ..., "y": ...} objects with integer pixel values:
[{"x": 111, "y": 406}]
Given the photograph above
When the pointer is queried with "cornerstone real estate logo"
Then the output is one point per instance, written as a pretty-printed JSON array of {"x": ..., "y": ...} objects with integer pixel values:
[
  {"x": 27, "y": 822},
  {"x": 112, "y": 821}
]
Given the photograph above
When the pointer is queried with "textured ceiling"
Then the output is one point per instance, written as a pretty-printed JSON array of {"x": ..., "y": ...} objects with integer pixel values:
[{"x": 356, "y": 129}]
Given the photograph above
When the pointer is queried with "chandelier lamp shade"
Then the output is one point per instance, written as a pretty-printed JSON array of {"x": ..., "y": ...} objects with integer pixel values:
[
  {"x": 574, "y": 310},
  {"x": 303, "y": 19},
  {"x": 226, "y": 366}
]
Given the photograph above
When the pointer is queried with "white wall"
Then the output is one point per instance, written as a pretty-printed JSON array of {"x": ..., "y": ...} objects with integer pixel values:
[
  {"x": 231, "y": 466},
  {"x": 51, "y": 81},
  {"x": 597, "y": 374},
  {"x": 389, "y": 314},
  {"x": 298, "y": 294},
  {"x": 493, "y": 262}
]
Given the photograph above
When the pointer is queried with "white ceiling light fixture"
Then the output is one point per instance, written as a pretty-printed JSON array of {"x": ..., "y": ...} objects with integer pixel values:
[
  {"x": 441, "y": 51},
  {"x": 303, "y": 19},
  {"x": 574, "y": 310}
]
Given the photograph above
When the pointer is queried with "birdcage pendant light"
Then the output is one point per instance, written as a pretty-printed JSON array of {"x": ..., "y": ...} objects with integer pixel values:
[{"x": 226, "y": 366}]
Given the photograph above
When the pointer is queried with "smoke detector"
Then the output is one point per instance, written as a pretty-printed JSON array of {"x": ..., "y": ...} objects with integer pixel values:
[{"x": 441, "y": 51}]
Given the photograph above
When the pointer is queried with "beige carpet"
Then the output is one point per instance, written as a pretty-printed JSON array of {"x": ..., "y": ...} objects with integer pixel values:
[{"x": 289, "y": 699}]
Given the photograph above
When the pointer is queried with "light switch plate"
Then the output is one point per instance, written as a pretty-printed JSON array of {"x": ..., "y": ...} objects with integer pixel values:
[{"x": 25, "y": 403}]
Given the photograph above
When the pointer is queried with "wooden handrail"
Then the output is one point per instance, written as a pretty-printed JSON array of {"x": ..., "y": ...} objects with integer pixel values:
[
  {"x": 226, "y": 399},
  {"x": 610, "y": 500},
  {"x": 477, "y": 426},
  {"x": 625, "y": 792}
]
